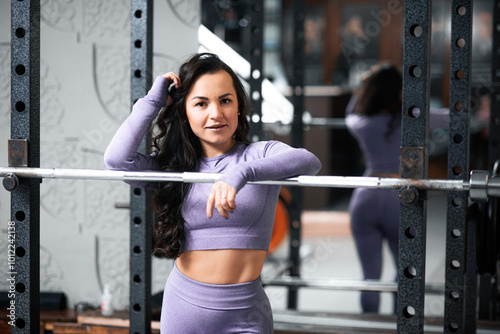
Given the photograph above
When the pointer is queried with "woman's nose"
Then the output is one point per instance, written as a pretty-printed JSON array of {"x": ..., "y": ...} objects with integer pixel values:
[{"x": 215, "y": 111}]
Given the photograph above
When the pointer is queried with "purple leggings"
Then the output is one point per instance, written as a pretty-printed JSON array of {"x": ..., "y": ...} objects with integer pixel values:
[
  {"x": 374, "y": 218},
  {"x": 194, "y": 307}
]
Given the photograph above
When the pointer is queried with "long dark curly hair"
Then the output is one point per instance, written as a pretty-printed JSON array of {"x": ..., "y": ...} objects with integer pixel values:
[
  {"x": 380, "y": 92},
  {"x": 178, "y": 149}
]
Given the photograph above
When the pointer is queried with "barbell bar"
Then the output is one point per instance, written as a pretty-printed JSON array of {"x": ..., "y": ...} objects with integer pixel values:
[
  {"x": 344, "y": 284},
  {"x": 480, "y": 185}
]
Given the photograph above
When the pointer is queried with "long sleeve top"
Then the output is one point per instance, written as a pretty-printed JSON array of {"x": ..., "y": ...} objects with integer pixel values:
[
  {"x": 381, "y": 152},
  {"x": 250, "y": 225}
]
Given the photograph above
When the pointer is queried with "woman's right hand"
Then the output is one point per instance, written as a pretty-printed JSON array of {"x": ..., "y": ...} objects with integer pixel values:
[{"x": 172, "y": 78}]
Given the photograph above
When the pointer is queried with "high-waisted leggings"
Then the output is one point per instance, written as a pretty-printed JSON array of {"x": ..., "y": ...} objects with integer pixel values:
[
  {"x": 192, "y": 307},
  {"x": 374, "y": 218}
]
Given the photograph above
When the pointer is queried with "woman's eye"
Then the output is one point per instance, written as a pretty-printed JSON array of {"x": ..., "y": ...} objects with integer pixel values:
[
  {"x": 200, "y": 104},
  {"x": 225, "y": 101}
]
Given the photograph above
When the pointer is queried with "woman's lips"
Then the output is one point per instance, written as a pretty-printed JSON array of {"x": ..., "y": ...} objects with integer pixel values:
[{"x": 216, "y": 127}]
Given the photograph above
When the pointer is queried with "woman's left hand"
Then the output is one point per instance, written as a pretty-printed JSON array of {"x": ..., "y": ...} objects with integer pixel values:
[{"x": 222, "y": 197}]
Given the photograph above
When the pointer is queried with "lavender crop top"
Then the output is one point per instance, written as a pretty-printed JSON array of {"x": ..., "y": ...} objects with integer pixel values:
[
  {"x": 250, "y": 225},
  {"x": 381, "y": 152}
]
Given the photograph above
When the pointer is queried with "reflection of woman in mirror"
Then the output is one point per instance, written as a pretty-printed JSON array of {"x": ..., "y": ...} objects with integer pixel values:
[
  {"x": 202, "y": 126},
  {"x": 373, "y": 117}
]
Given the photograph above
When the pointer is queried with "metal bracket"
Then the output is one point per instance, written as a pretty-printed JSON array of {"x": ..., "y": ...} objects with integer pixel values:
[
  {"x": 408, "y": 195},
  {"x": 18, "y": 152},
  {"x": 412, "y": 159},
  {"x": 10, "y": 182}
]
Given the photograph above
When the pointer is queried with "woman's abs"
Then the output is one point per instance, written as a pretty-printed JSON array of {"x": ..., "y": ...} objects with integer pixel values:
[{"x": 222, "y": 266}]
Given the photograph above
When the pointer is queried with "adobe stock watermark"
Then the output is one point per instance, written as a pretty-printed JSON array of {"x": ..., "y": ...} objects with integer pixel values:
[
  {"x": 372, "y": 28},
  {"x": 11, "y": 272}
]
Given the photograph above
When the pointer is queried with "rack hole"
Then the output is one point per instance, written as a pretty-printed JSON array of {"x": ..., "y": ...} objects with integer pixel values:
[
  {"x": 20, "y": 251},
  {"x": 256, "y": 52},
  {"x": 20, "y": 69},
  {"x": 298, "y": 90},
  {"x": 414, "y": 112},
  {"x": 410, "y": 272},
  {"x": 137, "y": 249},
  {"x": 456, "y": 202},
  {"x": 138, "y": 43},
  {"x": 411, "y": 232},
  {"x": 137, "y": 279},
  {"x": 255, "y": 95},
  {"x": 457, "y": 170},
  {"x": 137, "y": 73},
  {"x": 20, "y": 287},
  {"x": 20, "y": 106},
  {"x": 20, "y": 216},
  {"x": 256, "y": 74},
  {"x": 138, "y": 13},
  {"x": 137, "y": 307},
  {"x": 459, "y": 74},
  {"x": 137, "y": 191},
  {"x": 461, "y": 10},
  {"x": 459, "y": 106},
  {"x": 20, "y": 32},
  {"x": 458, "y": 139},
  {"x": 460, "y": 42},
  {"x": 455, "y": 264},
  {"x": 20, "y": 323},
  {"x": 454, "y": 295},
  {"x": 456, "y": 233},
  {"x": 453, "y": 327},
  {"x": 409, "y": 312},
  {"x": 416, "y": 30},
  {"x": 415, "y": 71},
  {"x": 137, "y": 220}
]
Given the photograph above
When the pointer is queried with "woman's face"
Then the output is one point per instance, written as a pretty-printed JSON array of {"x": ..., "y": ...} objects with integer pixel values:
[{"x": 212, "y": 112}]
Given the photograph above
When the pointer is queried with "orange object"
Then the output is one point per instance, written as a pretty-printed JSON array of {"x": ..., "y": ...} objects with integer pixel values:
[{"x": 281, "y": 220}]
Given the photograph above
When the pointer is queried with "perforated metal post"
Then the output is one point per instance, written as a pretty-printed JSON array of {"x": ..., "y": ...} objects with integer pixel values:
[
  {"x": 457, "y": 286},
  {"x": 297, "y": 83},
  {"x": 24, "y": 271},
  {"x": 257, "y": 68},
  {"x": 141, "y": 219},
  {"x": 414, "y": 161}
]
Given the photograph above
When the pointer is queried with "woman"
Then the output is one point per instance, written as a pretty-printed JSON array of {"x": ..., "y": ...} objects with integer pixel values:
[
  {"x": 215, "y": 285},
  {"x": 373, "y": 117}
]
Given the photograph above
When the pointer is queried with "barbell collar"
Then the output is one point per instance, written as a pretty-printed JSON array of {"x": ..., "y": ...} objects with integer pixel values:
[{"x": 479, "y": 186}]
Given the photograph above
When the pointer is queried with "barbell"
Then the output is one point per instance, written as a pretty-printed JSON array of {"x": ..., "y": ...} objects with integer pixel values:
[{"x": 479, "y": 185}]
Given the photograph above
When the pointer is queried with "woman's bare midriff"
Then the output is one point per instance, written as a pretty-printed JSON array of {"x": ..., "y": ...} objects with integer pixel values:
[{"x": 222, "y": 266}]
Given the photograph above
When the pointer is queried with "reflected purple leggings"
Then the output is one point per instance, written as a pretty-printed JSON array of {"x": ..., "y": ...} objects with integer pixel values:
[
  {"x": 192, "y": 307},
  {"x": 374, "y": 218}
]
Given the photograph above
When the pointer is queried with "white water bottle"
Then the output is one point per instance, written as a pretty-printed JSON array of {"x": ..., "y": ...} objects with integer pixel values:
[{"x": 106, "y": 302}]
